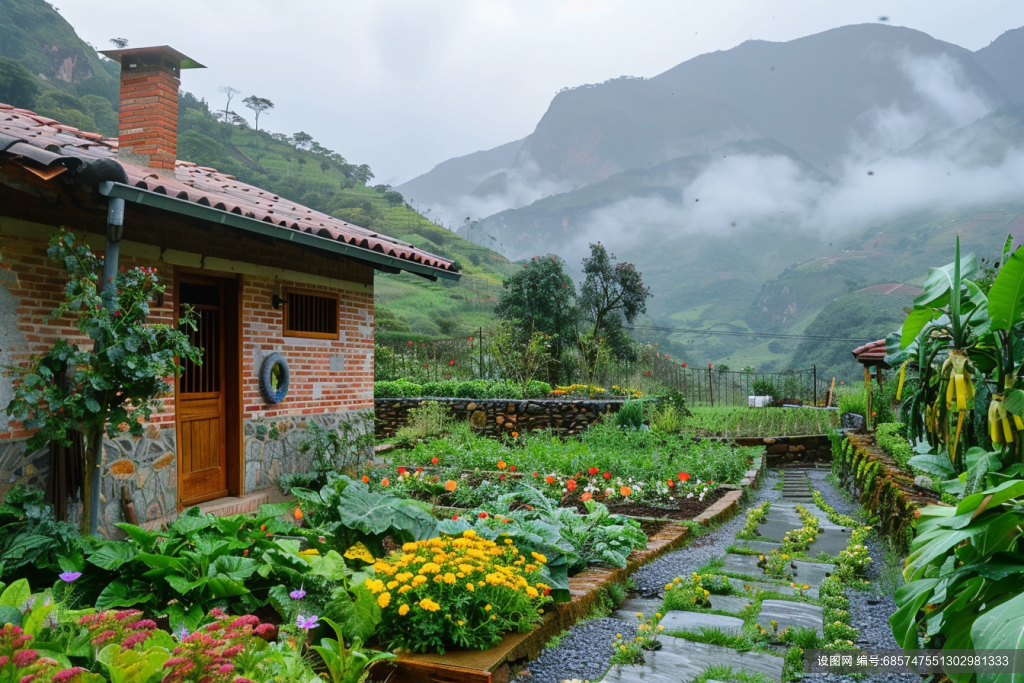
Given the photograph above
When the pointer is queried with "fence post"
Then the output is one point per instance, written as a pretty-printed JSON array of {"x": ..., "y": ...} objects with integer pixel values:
[
  {"x": 814, "y": 370},
  {"x": 480, "y": 345},
  {"x": 711, "y": 390}
]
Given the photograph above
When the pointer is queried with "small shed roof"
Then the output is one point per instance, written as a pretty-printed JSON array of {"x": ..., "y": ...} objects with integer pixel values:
[{"x": 871, "y": 354}]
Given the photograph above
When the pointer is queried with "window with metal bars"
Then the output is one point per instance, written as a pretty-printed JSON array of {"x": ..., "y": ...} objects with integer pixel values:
[{"x": 313, "y": 315}]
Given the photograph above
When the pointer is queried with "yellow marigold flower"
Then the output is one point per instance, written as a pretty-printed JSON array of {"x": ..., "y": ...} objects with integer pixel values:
[
  {"x": 530, "y": 568},
  {"x": 392, "y": 585},
  {"x": 429, "y": 605},
  {"x": 460, "y": 622},
  {"x": 470, "y": 588},
  {"x": 508, "y": 541},
  {"x": 532, "y": 592},
  {"x": 375, "y": 585},
  {"x": 494, "y": 617},
  {"x": 449, "y": 578},
  {"x": 404, "y": 576},
  {"x": 540, "y": 558},
  {"x": 469, "y": 533},
  {"x": 487, "y": 608},
  {"x": 403, "y": 610},
  {"x": 404, "y": 589},
  {"x": 429, "y": 568},
  {"x": 384, "y": 599}
]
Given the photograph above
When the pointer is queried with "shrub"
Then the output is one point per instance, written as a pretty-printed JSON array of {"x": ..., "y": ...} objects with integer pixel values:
[
  {"x": 401, "y": 388},
  {"x": 430, "y": 419},
  {"x": 631, "y": 414},
  {"x": 853, "y": 400},
  {"x": 891, "y": 438},
  {"x": 763, "y": 387},
  {"x": 456, "y": 592}
]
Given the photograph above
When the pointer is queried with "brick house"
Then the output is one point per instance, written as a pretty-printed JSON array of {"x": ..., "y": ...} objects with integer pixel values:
[{"x": 265, "y": 275}]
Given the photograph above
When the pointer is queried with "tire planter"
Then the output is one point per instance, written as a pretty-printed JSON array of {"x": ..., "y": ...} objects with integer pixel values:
[{"x": 274, "y": 378}]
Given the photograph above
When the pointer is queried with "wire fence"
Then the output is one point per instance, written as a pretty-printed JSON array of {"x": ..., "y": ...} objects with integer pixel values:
[{"x": 469, "y": 358}]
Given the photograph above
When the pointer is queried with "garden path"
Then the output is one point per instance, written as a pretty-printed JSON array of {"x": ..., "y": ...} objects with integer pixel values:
[{"x": 681, "y": 659}]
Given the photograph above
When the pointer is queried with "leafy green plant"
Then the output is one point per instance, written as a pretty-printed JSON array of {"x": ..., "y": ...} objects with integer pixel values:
[
  {"x": 31, "y": 540},
  {"x": 891, "y": 438},
  {"x": 329, "y": 451},
  {"x": 630, "y": 414},
  {"x": 347, "y": 665}
]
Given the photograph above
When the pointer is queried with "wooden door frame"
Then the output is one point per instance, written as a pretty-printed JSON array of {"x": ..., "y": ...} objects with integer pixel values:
[{"x": 233, "y": 355}]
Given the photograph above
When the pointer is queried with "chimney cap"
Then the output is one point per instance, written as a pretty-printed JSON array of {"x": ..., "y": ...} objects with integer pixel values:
[{"x": 165, "y": 51}]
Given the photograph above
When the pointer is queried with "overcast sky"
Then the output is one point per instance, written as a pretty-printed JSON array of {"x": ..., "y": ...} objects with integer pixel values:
[{"x": 405, "y": 84}]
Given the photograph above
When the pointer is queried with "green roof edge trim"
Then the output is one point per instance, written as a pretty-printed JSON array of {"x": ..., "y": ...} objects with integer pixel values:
[{"x": 137, "y": 195}]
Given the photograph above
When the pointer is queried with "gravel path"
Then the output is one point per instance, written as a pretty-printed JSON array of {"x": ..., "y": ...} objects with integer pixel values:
[
  {"x": 870, "y": 609},
  {"x": 586, "y": 651},
  {"x": 650, "y": 580}
]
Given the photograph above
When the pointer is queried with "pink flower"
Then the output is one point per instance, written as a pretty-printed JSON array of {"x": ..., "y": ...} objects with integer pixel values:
[
  {"x": 127, "y": 614},
  {"x": 67, "y": 674},
  {"x": 4, "y": 659},
  {"x": 226, "y": 668},
  {"x": 23, "y": 658},
  {"x": 134, "y": 639},
  {"x": 144, "y": 623},
  {"x": 247, "y": 620}
]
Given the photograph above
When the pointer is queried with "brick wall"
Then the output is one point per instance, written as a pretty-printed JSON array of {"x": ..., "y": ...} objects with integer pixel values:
[{"x": 331, "y": 380}]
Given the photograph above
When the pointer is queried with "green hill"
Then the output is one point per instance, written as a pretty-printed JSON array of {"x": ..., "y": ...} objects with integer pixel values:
[{"x": 46, "y": 67}]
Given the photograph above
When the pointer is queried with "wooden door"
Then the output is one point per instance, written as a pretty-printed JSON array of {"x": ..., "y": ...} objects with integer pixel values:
[{"x": 201, "y": 414}]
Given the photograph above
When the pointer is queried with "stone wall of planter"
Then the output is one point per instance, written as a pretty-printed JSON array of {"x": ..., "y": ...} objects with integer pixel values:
[{"x": 494, "y": 416}]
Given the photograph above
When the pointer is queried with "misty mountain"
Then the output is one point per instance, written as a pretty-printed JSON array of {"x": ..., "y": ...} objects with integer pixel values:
[
  {"x": 775, "y": 187},
  {"x": 1002, "y": 59},
  {"x": 455, "y": 178}
]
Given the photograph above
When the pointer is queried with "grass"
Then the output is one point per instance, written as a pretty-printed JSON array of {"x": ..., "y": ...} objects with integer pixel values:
[
  {"x": 726, "y": 674},
  {"x": 733, "y": 421}
]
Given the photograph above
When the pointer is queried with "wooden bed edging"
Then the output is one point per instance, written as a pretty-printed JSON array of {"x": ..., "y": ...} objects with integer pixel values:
[{"x": 494, "y": 665}]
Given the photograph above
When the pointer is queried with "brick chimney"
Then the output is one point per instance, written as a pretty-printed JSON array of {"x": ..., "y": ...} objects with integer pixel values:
[{"x": 148, "y": 112}]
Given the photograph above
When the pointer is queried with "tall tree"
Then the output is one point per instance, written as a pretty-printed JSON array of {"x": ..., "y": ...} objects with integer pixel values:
[
  {"x": 541, "y": 298},
  {"x": 612, "y": 293},
  {"x": 119, "y": 43},
  {"x": 258, "y": 105},
  {"x": 303, "y": 140},
  {"x": 229, "y": 92}
]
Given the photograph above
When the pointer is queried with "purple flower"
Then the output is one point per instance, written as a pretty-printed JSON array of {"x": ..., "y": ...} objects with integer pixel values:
[
  {"x": 307, "y": 622},
  {"x": 297, "y": 594},
  {"x": 68, "y": 577}
]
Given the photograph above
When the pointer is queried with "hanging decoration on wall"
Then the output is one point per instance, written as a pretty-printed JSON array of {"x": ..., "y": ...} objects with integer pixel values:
[{"x": 274, "y": 376}]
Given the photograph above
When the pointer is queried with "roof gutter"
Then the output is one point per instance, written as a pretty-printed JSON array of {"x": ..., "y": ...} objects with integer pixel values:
[{"x": 186, "y": 208}]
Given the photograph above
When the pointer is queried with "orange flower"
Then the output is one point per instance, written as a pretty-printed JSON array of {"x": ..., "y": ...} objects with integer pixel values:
[
  {"x": 625, "y": 491},
  {"x": 571, "y": 485},
  {"x": 502, "y": 464},
  {"x": 515, "y": 435},
  {"x": 549, "y": 479},
  {"x": 366, "y": 479},
  {"x": 298, "y": 513},
  {"x": 450, "y": 485},
  {"x": 683, "y": 476},
  {"x": 586, "y": 496},
  {"x": 671, "y": 483},
  {"x": 385, "y": 482}
]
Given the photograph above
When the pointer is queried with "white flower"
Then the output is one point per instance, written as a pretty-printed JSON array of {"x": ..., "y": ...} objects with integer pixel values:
[{"x": 689, "y": 495}]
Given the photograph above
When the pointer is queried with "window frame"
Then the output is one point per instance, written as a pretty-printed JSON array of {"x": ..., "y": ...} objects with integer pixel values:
[{"x": 300, "y": 334}]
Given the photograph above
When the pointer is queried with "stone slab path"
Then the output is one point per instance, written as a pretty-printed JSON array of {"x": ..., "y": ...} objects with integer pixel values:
[{"x": 682, "y": 659}]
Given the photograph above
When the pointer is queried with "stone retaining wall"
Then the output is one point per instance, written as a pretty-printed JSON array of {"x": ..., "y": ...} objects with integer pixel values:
[
  {"x": 493, "y": 416},
  {"x": 885, "y": 490},
  {"x": 790, "y": 450}
]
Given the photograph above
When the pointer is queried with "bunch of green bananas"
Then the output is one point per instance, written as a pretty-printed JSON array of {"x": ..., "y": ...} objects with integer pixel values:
[{"x": 1002, "y": 424}]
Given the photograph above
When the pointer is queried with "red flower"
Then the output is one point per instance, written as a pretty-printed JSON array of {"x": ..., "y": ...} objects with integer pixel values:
[
  {"x": 648, "y": 373},
  {"x": 592, "y": 471},
  {"x": 483, "y": 515},
  {"x": 512, "y": 468},
  {"x": 684, "y": 365},
  {"x": 571, "y": 485},
  {"x": 410, "y": 343},
  {"x": 683, "y": 476},
  {"x": 401, "y": 470},
  {"x": 536, "y": 474},
  {"x": 501, "y": 478},
  {"x": 455, "y": 518},
  {"x": 470, "y": 339},
  {"x": 451, "y": 362},
  {"x": 607, "y": 475},
  {"x": 419, "y": 469},
  {"x": 434, "y": 460}
]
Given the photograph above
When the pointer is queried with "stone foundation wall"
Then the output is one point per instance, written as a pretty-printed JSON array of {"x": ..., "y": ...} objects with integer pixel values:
[
  {"x": 781, "y": 451},
  {"x": 494, "y": 416}
]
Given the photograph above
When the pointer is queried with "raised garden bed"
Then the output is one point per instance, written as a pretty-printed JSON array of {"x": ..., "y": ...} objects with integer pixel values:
[{"x": 495, "y": 665}]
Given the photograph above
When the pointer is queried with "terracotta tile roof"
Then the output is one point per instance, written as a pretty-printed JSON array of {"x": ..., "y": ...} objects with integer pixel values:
[
  {"x": 47, "y": 147},
  {"x": 872, "y": 353}
]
